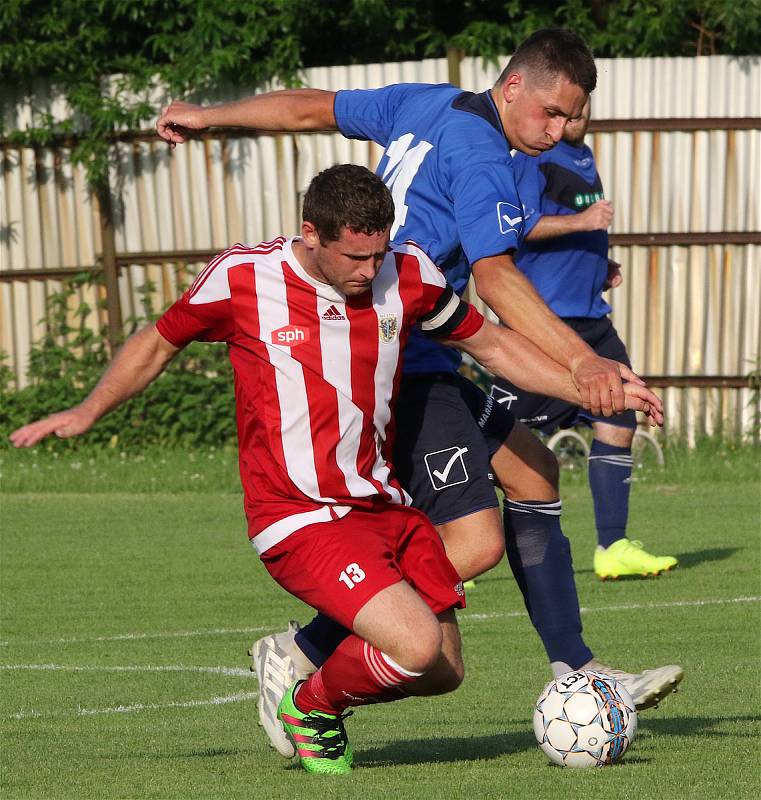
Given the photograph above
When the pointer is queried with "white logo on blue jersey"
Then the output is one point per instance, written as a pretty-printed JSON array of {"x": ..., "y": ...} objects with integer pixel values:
[{"x": 509, "y": 221}]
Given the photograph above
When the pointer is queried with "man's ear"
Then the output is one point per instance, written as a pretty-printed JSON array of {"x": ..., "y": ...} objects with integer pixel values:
[
  {"x": 512, "y": 86},
  {"x": 309, "y": 234}
]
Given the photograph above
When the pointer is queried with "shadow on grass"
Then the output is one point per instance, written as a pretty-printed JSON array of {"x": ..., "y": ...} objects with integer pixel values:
[
  {"x": 216, "y": 752},
  {"x": 688, "y": 560},
  {"x": 439, "y": 751},
  {"x": 695, "y": 726}
]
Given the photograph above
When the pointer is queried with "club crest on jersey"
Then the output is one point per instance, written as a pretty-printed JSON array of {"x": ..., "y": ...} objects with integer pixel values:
[
  {"x": 290, "y": 335},
  {"x": 387, "y": 328}
]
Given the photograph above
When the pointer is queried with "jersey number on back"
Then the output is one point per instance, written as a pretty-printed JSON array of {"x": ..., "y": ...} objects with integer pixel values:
[{"x": 403, "y": 164}]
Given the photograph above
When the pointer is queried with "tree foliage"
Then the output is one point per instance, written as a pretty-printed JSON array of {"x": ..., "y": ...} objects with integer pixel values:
[{"x": 106, "y": 56}]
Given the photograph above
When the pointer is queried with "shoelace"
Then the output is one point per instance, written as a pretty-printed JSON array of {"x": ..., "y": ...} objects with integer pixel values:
[{"x": 330, "y": 733}]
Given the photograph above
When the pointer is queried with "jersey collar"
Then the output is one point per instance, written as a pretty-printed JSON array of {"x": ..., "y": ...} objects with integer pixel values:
[
  {"x": 324, "y": 290},
  {"x": 481, "y": 105}
]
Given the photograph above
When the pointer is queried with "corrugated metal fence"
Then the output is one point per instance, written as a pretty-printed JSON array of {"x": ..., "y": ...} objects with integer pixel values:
[{"x": 678, "y": 143}]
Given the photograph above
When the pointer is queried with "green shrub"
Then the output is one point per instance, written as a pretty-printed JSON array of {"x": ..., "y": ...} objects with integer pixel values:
[{"x": 192, "y": 403}]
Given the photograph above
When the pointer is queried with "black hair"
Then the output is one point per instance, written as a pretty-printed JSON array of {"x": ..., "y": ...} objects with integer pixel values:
[
  {"x": 347, "y": 196},
  {"x": 551, "y": 52}
]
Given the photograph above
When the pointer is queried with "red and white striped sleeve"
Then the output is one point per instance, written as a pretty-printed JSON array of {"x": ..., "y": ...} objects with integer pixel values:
[
  {"x": 204, "y": 312},
  {"x": 444, "y": 314}
]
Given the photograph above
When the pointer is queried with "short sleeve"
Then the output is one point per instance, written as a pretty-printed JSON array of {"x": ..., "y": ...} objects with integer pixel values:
[
  {"x": 370, "y": 114},
  {"x": 530, "y": 182},
  {"x": 204, "y": 312},
  {"x": 444, "y": 314},
  {"x": 183, "y": 323},
  {"x": 487, "y": 209}
]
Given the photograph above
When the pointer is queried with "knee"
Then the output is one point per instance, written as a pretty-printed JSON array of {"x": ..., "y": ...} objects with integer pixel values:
[
  {"x": 549, "y": 468},
  {"x": 526, "y": 468},
  {"x": 540, "y": 477},
  {"x": 421, "y": 649}
]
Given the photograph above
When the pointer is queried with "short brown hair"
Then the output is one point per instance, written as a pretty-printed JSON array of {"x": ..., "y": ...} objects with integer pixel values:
[
  {"x": 552, "y": 52},
  {"x": 347, "y": 196}
]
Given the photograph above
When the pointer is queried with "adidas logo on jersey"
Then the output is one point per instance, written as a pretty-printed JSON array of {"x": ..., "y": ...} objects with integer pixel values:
[{"x": 333, "y": 314}]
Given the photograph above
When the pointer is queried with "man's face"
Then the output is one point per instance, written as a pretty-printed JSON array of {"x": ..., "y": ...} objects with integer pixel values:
[
  {"x": 348, "y": 264},
  {"x": 535, "y": 117}
]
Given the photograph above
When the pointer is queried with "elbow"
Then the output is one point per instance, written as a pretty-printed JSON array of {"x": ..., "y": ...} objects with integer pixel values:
[{"x": 485, "y": 289}]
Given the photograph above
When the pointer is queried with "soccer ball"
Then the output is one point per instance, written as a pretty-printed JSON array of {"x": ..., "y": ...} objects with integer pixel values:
[{"x": 584, "y": 719}]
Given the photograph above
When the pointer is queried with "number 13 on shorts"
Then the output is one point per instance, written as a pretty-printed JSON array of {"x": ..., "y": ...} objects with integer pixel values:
[{"x": 352, "y": 575}]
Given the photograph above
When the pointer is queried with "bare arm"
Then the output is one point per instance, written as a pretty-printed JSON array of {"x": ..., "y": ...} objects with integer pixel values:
[
  {"x": 510, "y": 355},
  {"x": 143, "y": 357},
  {"x": 595, "y": 218},
  {"x": 286, "y": 110},
  {"x": 512, "y": 297}
]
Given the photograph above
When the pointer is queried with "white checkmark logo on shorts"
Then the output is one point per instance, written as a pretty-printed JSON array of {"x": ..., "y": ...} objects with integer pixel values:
[
  {"x": 445, "y": 472},
  {"x": 442, "y": 476}
]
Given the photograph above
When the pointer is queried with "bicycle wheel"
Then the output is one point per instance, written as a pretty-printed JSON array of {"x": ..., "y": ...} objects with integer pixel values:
[
  {"x": 646, "y": 451},
  {"x": 570, "y": 448}
]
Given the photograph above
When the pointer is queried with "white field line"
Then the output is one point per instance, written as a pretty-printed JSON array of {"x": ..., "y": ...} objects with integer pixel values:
[
  {"x": 466, "y": 617},
  {"x": 122, "y": 637},
  {"x": 244, "y": 696},
  {"x": 133, "y": 707},
  {"x": 227, "y": 671},
  {"x": 623, "y": 607},
  {"x": 238, "y": 672}
]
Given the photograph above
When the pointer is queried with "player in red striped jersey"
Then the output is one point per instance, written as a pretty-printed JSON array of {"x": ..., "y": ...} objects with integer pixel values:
[{"x": 315, "y": 326}]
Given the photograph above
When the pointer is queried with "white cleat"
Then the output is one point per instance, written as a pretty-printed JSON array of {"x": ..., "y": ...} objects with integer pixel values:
[
  {"x": 648, "y": 687},
  {"x": 275, "y": 662}
]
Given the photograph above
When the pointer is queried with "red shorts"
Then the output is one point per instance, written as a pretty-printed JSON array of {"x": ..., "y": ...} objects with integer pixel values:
[{"x": 336, "y": 567}]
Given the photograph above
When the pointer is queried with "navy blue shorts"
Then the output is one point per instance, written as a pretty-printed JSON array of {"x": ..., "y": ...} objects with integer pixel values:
[
  {"x": 447, "y": 430},
  {"x": 547, "y": 414}
]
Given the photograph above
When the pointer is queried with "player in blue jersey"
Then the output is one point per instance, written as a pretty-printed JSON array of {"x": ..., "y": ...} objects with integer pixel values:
[
  {"x": 447, "y": 161},
  {"x": 565, "y": 255}
]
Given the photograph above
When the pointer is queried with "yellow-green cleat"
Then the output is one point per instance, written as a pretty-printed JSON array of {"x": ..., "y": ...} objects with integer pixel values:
[
  {"x": 319, "y": 739},
  {"x": 627, "y": 557}
]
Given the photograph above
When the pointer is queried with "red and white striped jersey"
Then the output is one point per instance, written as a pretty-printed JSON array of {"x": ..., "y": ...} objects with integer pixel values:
[{"x": 316, "y": 373}]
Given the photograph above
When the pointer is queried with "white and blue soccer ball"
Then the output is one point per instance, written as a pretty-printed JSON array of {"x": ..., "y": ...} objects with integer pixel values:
[{"x": 584, "y": 719}]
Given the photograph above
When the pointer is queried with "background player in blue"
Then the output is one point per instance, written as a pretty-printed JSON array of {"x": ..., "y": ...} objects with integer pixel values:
[
  {"x": 447, "y": 161},
  {"x": 565, "y": 255}
]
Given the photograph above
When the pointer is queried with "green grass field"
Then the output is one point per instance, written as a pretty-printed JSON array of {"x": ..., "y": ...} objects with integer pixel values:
[{"x": 130, "y": 595}]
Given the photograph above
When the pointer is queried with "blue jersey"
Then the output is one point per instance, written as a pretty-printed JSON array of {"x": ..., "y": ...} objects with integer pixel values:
[
  {"x": 568, "y": 271},
  {"x": 448, "y": 166}
]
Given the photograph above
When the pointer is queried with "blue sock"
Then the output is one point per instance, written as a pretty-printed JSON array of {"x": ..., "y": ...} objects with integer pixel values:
[
  {"x": 320, "y": 638},
  {"x": 540, "y": 557},
  {"x": 610, "y": 472}
]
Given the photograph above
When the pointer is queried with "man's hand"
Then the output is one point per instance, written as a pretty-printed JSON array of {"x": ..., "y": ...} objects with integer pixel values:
[
  {"x": 615, "y": 278},
  {"x": 600, "y": 384},
  {"x": 597, "y": 217},
  {"x": 177, "y": 119},
  {"x": 63, "y": 424},
  {"x": 640, "y": 398}
]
